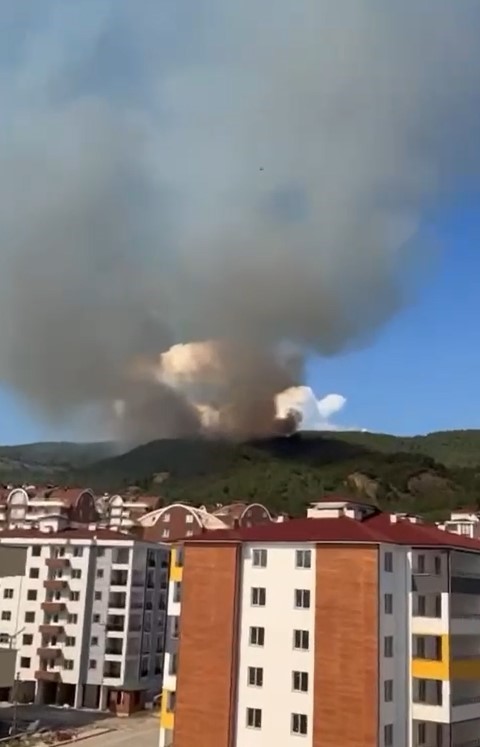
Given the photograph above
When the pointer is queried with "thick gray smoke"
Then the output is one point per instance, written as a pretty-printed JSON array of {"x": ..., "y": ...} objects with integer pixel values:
[{"x": 215, "y": 169}]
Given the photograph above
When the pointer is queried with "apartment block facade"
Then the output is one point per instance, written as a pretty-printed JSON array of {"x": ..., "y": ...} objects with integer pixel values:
[
  {"x": 350, "y": 627},
  {"x": 87, "y": 619}
]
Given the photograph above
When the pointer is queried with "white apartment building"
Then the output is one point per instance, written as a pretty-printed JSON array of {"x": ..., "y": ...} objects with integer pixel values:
[
  {"x": 87, "y": 619},
  {"x": 463, "y": 521},
  {"x": 349, "y": 628}
]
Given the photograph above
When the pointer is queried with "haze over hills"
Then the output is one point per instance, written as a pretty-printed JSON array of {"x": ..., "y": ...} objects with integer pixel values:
[{"x": 427, "y": 474}]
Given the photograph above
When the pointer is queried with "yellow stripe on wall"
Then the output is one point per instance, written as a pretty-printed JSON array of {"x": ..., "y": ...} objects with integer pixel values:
[
  {"x": 433, "y": 669},
  {"x": 176, "y": 571},
  {"x": 167, "y": 718}
]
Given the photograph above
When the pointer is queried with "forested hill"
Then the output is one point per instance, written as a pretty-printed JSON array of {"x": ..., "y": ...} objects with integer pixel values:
[{"x": 427, "y": 474}]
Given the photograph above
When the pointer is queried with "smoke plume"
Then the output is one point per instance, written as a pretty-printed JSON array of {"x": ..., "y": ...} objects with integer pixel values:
[{"x": 217, "y": 170}]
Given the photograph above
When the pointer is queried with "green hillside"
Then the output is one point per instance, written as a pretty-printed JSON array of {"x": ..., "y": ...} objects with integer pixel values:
[{"x": 426, "y": 474}]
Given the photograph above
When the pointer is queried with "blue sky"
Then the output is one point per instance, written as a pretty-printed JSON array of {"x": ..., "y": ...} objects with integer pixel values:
[
  {"x": 104, "y": 98},
  {"x": 420, "y": 373}
]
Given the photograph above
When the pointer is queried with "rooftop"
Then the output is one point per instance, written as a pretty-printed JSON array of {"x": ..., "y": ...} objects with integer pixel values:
[{"x": 375, "y": 528}]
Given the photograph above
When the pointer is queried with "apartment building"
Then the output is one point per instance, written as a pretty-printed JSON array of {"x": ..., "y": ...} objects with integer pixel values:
[
  {"x": 87, "y": 618},
  {"x": 178, "y": 520},
  {"x": 349, "y": 628},
  {"x": 464, "y": 521},
  {"x": 12, "y": 565},
  {"x": 58, "y": 508}
]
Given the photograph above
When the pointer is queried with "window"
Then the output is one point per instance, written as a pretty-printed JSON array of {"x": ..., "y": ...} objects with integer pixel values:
[
  {"x": 189, "y": 519},
  {"x": 36, "y": 551},
  {"x": 388, "y": 562},
  {"x": 388, "y": 646},
  {"x": 421, "y": 733},
  {"x": 189, "y": 532},
  {"x": 98, "y": 596},
  {"x": 259, "y": 559},
  {"x": 420, "y": 647},
  {"x": 258, "y": 596},
  {"x": 25, "y": 662},
  {"x": 438, "y": 565},
  {"x": 31, "y": 595},
  {"x": 96, "y": 618},
  {"x": 6, "y": 615},
  {"x": 421, "y": 606},
  {"x": 92, "y": 664},
  {"x": 8, "y": 593},
  {"x": 74, "y": 596},
  {"x": 77, "y": 552},
  {"x": 303, "y": 559},
  {"x": 421, "y": 564},
  {"x": 388, "y": 604},
  {"x": 299, "y": 724},
  {"x": 94, "y": 641},
  {"x": 254, "y": 718},
  {"x": 29, "y": 617},
  {"x": 69, "y": 641},
  {"x": 27, "y": 639},
  {"x": 388, "y": 735},
  {"x": 302, "y": 599},
  {"x": 438, "y": 605},
  {"x": 301, "y": 640},
  {"x": 34, "y": 573},
  {"x": 100, "y": 552},
  {"x": 257, "y": 636},
  {"x": 300, "y": 682},
  {"x": 68, "y": 664},
  {"x": 73, "y": 619},
  {"x": 4, "y": 638},
  {"x": 166, "y": 518},
  {"x": 76, "y": 573},
  {"x": 388, "y": 691},
  {"x": 255, "y": 676},
  {"x": 165, "y": 533},
  {"x": 100, "y": 573}
]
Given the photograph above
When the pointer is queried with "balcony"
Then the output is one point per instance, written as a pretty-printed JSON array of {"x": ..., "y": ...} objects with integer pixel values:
[
  {"x": 50, "y": 652},
  {"x": 57, "y": 564},
  {"x": 47, "y": 675},
  {"x": 55, "y": 584},
  {"x": 51, "y": 629},
  {"x": 53, "y": 608},
  {"x": 119, "y": 578}
]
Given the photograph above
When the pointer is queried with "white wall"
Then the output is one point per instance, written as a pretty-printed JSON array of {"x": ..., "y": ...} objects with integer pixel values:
[
  {"x": 397, "y": 583},
  {"x": 277, "y": 657}
]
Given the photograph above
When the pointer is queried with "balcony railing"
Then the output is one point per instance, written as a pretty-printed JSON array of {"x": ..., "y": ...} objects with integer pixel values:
[
  {"x": 55, "y": 584},
  {"x": 459, "y": 573},
  {"x": 465, "y": 615},
  {"x": 47, "y": 675},
  {"x": 465, "y": 701},
  {"x": 49, "y": 652},
  {"x": 53, "y": 608},
  {"x": 56, "y": 564},
  {"x": 51, "y": 629}
]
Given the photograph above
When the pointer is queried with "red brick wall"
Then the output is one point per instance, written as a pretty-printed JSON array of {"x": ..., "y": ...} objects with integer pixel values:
[
  {"x": 346, "y": 647},
  {"x": 207, "y": 654}
]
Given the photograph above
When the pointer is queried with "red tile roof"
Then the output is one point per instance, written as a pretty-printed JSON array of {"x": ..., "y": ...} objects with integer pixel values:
[
  {"x": 67, "y": 534},
  {"x": 374, "y": 529}
]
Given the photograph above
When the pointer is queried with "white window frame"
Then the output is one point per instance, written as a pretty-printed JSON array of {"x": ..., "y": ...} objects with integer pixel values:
[
  {"x": 299, "y": 682},
  {"x": 259, "y": 558},
  {"x": 303, "y": 559},
  {"x": 255, "y": 633},
  {"x": 254, "y": 718},
  {"x": 189, "y": 519},
  {"x": 255, "y": 677},
  {"x": 302, "y": 635},
  {"x": 258, "y": 596},
  {"x": 299, "y": 724},
  {"x": 301, "y": 596}
]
